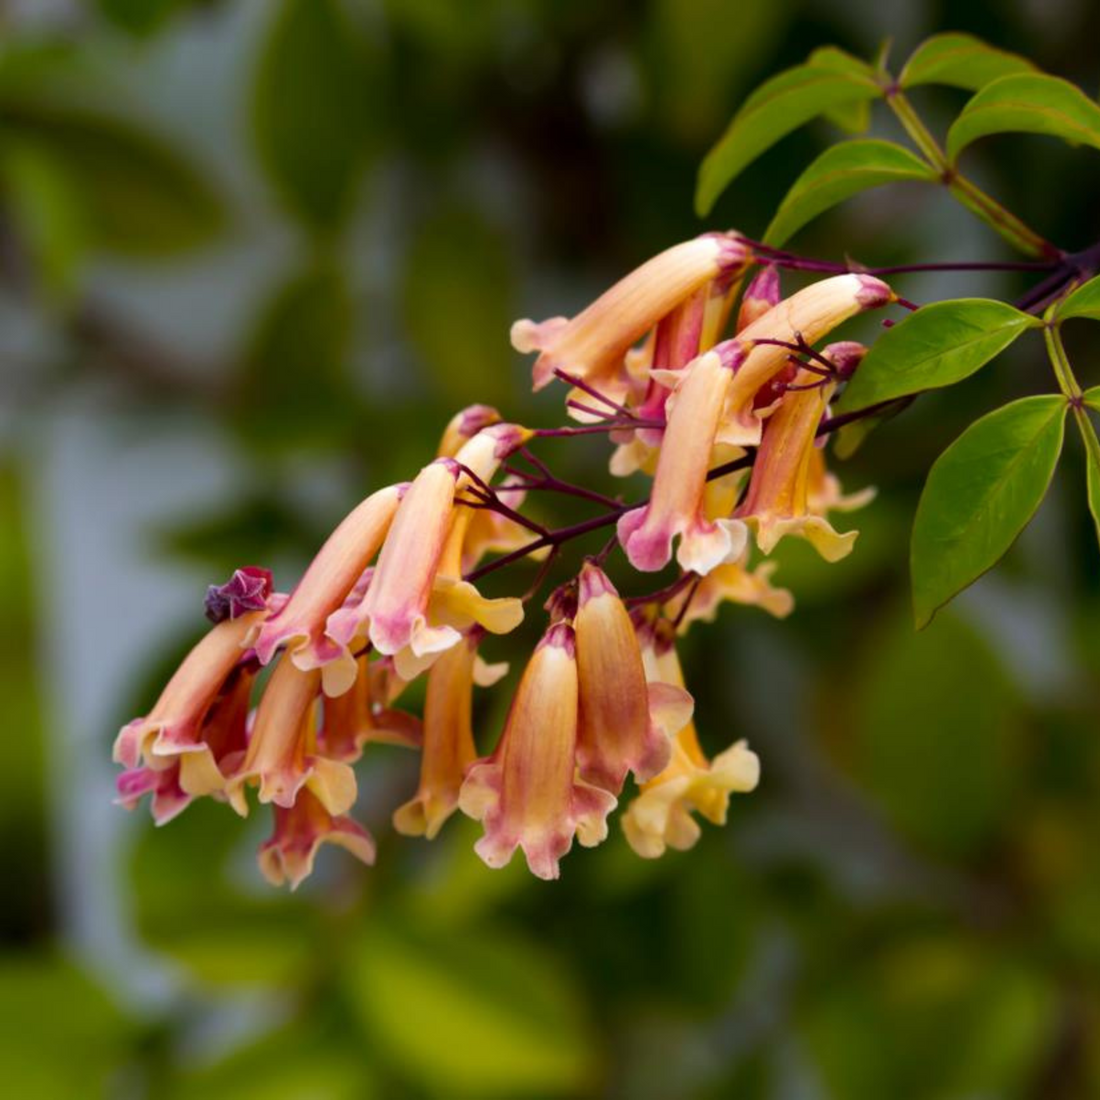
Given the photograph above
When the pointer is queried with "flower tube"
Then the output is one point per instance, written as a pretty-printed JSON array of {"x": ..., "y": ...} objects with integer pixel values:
[
  {"x": 778, "y": 499},
  {"x": 591, "y": 345},
  {"x": 282, "y": 757},
  {"x": 676, "y": 505},
  {"x": 625, "y": 724},
  {"x": 810, "y": 314},
  {"x": 448, "y": 736},
  {"x": 331, "y": 576},
  {"x": 526, "y": 793},
  {"x": 176, "y": 720}
]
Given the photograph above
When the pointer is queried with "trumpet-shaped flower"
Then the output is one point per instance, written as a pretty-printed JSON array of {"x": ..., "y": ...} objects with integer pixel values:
[
  {"x": 660, "y": 816},
  {"x": 625, "y": 724},
  {"x": 526, "y": 793},
  {"x": 677, "y": 502},
  {"x": 592, "y": 344},
  {"x": 176, "y": 721},
  {"x": 487, "y": 532},
  {"x": 777, "y": 502},
  {"x": 330, "y": 578},
  {"x": 448, "y": 736},
  {"x": 808, "y": 315},
  {"x": 287, "y": 857},
  {"x": 760, "y": 295},
  {"x": 282, "y": 756},
  {"x": 417, "y": 604}
]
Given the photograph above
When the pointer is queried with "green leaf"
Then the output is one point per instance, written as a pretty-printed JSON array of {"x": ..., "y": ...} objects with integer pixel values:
[
  {"x": 775, "y": 109},
  {"x": 470, "y": 1015},
  {"x": 139, "y": 197},
  {"x": 1092, "y": 398},
  {"x": 840, "y": 172},
  {"x": 980, "y": 494},
  {"x": 310, "y": 111},
  {"x": 960, "y": 60},
  {"x": 1083, "y": 302},
  {"x": 936, "y": 346},
  {"x": 1028, "y": 103}
]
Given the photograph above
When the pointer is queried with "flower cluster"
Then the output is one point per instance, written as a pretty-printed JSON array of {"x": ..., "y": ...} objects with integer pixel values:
[{"x": 728, "y": 420}]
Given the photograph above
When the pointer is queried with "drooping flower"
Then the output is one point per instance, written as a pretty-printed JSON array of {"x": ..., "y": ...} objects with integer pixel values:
[
  {"x": 760, "y": 295},
  {"x": 807, "y": 315},
  {"x": 181, "y": 765},
  {"x": 176, "y": 721},
  {"x": 778, "y": 500},
  {"x": 487, "y": 531},
  {"x": 287, "y": 857},
  {"x": 625, "y": 724},
  {"x": 526, "y": 793},
  {"x": 417, "y": 603},
  {"x": 448, "y": 736},
  {"x": 660, "y": 817},
  {"x": 282, "y": 756},
  {"x": 591, "y": 345},
  {"x": 676, "y": 505},
  {"x": 330, "y": 578}
]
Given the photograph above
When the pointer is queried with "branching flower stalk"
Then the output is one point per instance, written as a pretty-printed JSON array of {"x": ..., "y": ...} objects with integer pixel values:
[{"x": 707, "y": 381}]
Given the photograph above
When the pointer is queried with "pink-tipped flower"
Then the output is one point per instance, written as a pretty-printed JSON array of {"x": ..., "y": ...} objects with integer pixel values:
[
  {"x": 362, "y": 716},
  {"x": 180, "y": 770},
  {"x": 331, "y": 576},
  {"x": 625, "y": 724},
  {"x": 810, "y": 314},
  {"x": 592, "y": 344},
  {"x": 176, "y": 720},
  {"x": 396, "y": 603},
  {"x": 448, "y": 737},
  {"x": 677, "y": 503},
  {"x": 417, "y": 604},
  {"x": 760, "y": 295},
  {"x": 526, "y": 794},
  {"x": 287, "y": 857},
  {"x": 282, "y": 756},
  {"x": 778, "y": 499},
  {"x": 660, "y": 816},
  {"x": 463, "y": 426},
  {"x": 487, "y": 532}
]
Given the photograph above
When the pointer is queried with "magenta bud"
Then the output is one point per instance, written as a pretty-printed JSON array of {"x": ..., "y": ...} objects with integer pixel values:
[
  {"x": 247, "y": 590},
  {"x": 873, "y": 293},
  {"x": 765, "y": 286},
  {"x": 845, "y": 355},
  {"x": 593, "y": 582},
  {"x": 560, "y": 635},
  {"x": 731, "y": 353}
]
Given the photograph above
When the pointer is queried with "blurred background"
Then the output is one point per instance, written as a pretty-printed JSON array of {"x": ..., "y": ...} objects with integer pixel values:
[{"x": 252, "y": 257}]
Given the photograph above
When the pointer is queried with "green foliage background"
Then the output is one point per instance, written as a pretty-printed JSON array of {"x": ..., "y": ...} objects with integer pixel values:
[{"x": 252, "y": 256}]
